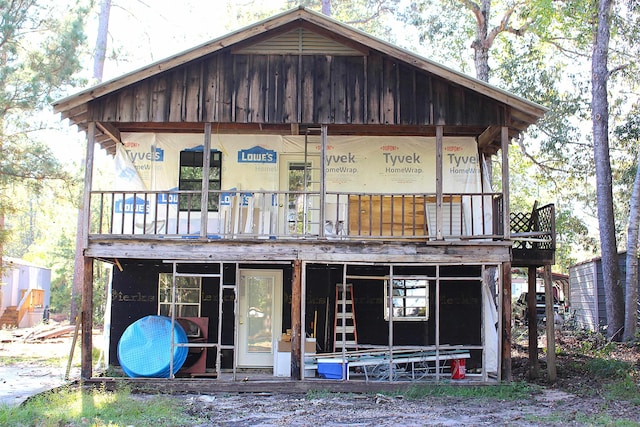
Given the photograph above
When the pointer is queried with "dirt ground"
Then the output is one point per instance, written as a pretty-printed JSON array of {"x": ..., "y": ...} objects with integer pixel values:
[{"x": 26, "y": 368}]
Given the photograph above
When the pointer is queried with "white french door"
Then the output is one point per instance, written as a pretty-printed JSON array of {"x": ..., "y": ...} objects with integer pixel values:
[{"x": 259, "y": 320}]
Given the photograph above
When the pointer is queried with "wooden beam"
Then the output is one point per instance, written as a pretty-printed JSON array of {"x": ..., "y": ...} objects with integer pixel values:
[
  {"x": 489, "y": 137},
  {"x": 439, "y": 183},
  {"x": 88, "y": 181},
  {"x": 87, "y": 320},
  {"x": 204, "y": 196},
  {"x": 260, "y": 250},
  {"x": 507, "y": 374},
  {"x": 296, "y": 321},
  {"x": 550, "y": 324},
  {"x": 505, "y": 182},
  {"x": 532, "y": 322},
  {"x": 110, "y": 130}
]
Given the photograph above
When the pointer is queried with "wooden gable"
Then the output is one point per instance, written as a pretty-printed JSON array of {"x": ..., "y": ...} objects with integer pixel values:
[{"x": 300, "y": 68}]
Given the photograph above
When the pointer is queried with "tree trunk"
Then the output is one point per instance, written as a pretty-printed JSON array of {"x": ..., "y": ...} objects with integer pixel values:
[
  {"x": 631, "y": 290},
  {"x": 600, "y": 119},
  {"x": 101, "y": 40},
  {"x": 481, "y": 44},
  {"x": 98, "y": 69},
  {"x": 326, "y": 7}
]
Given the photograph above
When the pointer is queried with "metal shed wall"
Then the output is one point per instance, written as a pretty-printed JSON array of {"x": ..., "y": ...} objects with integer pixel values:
[{"x": 588, "y": 302}]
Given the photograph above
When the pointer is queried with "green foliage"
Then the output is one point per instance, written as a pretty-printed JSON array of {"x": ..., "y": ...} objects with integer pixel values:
[
  {"x": 38, "y": 46},
  {"x": 72, "y": 407},
  {"x": 366, "y": 15},
  {"x": 40, "y": 43},
  {"x": 607, "y": 368}
]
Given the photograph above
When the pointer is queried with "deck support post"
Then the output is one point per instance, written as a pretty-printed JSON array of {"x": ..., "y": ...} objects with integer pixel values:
[
  {"x": 439, "y": 215},
  {"x": 87, "y": 280},
  {"x": 206, "y": 167},
  {"x": 550, "y": 323},
  {"x": 504, "y": 137},
  {"x": 532, "y": 322},
  {"x": 296, "y": 325},
  {"x": 506, "y": 322},
  {"x": 86, "y": 318}
]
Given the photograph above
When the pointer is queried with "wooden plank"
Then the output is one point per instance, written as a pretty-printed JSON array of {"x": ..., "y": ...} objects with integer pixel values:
[
  {"x": 339, "y": 99},
  {"x": 52, "y": 333},
  {"x": 389, "y": 92},
  {"x": 439, "y": 101},
  {"x": 264, "y": 251},
  {"x": 141, "y": 101},
  {"x": 373, "y": 89},
  {"x": 125, "y": 105},
  {"x": 307, "y": 89},
  {"x": 177, "y": 95},
  {"x": 240, "y": 96},
  {"x": 387, "y": 216},
  {"x": 406, "y": 95},
  {"x": 107, "y": 110},
  {"x": 322, "y": 102},
  {"x": 455, "y": 107},
  {"x": 159, "y": 99},
  {"x": 225, "y": 102},
  {"x": 423, "y": 99},
  {"x": 211, "y": 86},
  {"x": 273, "y": 385},
  {"x": 356, "y": 89},
  {"x": 257, "y": 86},
  {"x": 193, "y": 93},
  {"x": 290, "y": 87}
]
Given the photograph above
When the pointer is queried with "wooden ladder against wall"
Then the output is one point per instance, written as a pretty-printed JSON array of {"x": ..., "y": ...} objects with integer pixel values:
[{"x": 345, "y": 333}]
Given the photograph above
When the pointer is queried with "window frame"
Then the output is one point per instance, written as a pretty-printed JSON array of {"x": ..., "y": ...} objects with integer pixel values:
[
  {"x": 184, "y": 289},
  {"x": 193, "y": 159},
  {"x": 400, "y": 288}
]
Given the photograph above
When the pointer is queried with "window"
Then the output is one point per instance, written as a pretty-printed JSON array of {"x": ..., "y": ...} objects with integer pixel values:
[
  {"x": 187, "y": 295},
  {"x": 191, "y": 174},
  {"x": 410, "y": 299}
]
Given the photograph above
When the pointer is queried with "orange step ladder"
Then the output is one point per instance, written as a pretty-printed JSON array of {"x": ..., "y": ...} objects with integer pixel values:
[{"x": 345, "y": 333}]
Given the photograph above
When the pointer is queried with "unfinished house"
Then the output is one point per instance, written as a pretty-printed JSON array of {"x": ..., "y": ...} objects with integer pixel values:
[{"x": 311, "y": 202}]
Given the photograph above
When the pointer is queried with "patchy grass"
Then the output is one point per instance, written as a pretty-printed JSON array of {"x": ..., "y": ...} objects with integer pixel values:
[
  {"x": 607, "y": 368},
  {"x": 625, "y": 389},
  {"x": 512, "y": 391},
  {"x": 73, "y": 407}
]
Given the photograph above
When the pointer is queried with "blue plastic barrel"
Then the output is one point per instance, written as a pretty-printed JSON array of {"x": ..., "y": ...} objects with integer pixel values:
[{"x": 144, "y": 350}]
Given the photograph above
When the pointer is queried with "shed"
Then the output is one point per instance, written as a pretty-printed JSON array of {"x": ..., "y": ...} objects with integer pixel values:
[{"x": 587, "y": 303}]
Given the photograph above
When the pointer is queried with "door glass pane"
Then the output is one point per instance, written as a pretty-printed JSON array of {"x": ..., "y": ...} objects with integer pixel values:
[{"x": 259, "y": 314}]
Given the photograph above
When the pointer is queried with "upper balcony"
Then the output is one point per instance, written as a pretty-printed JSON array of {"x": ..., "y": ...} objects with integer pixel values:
[{"x": 294, "y": 215}]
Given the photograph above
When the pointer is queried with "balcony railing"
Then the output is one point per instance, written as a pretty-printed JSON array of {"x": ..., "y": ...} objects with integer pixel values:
[
  {"x": 296, "y": 215},
  {"x": 535, "y": 229}
]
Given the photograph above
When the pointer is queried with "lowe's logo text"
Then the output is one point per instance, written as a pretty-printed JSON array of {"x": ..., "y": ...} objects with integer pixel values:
[
  {"x": 131, "y": 205},
  {"x": 168, "y": 198},
  {"x": 257, "y": 155}
]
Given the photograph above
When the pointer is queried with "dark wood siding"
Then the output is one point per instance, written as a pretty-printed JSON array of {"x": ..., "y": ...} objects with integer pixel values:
[{"x": 276, "y": 88}]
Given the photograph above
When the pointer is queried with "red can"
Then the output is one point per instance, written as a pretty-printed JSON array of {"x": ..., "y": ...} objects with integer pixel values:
[{"x": 458, "y": 369}]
